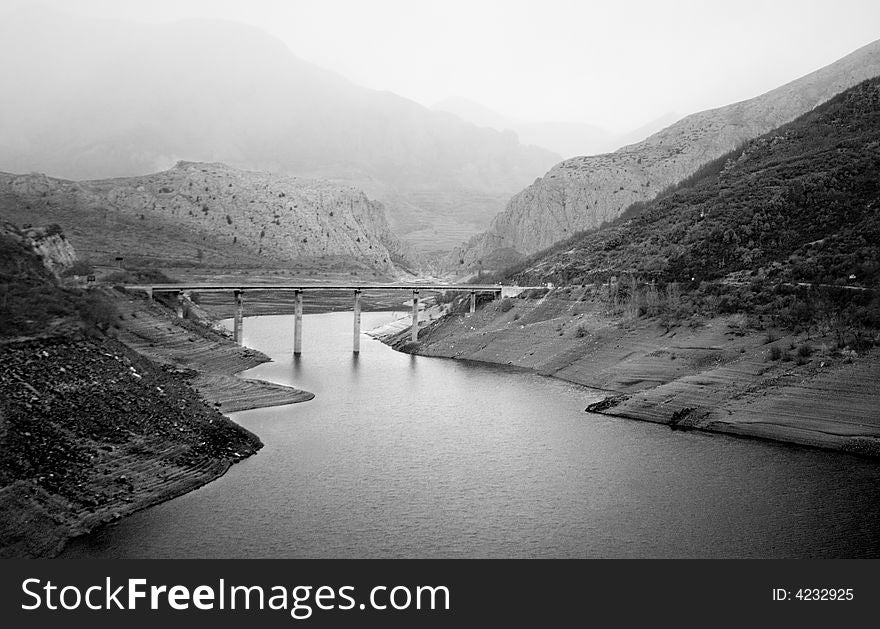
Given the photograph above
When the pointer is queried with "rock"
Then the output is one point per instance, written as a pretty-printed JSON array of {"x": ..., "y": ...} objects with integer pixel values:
[
  {"x": 52, "y": 246},
  {"x": 214, "y": 204}
]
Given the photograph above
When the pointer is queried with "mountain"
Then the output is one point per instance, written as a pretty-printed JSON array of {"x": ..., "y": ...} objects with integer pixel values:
[
  {"x": 92, "y": 98},
  {"x": 211, "y": 213},
  {"x": 475, "y": 113},
  {"x": 564, "y": 138},
  {"x": 647, "y": 129},
  {"x": 798, "y": 204},
  {"x": 584, "y": 192}
]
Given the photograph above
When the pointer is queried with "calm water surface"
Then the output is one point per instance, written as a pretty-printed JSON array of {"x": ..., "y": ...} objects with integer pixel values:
[{"x": 401, "y": 456}]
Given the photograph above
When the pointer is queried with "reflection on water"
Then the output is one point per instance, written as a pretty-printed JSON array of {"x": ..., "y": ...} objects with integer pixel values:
[{"x": 404, "y": 456}]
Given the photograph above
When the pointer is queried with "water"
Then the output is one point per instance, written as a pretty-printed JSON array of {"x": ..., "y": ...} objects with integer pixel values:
[{"x": 401, "y": 456}]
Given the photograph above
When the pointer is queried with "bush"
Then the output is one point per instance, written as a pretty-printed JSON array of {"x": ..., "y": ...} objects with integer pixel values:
[
  {"x": 775, "y": 352},
  {"x": 80, "y": 267},
  {"x": 805, "y": 350},
  {"x": 581, "y": 331},
  {"x": 505, "y": 305},
  {"x": 96, "y": 310},
  {"x": 138, "y": 276},
  {"x": 534, "y": 293},
  {"x": 448, "y": 296}
]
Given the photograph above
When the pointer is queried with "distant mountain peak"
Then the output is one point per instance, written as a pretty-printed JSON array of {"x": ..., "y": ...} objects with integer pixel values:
[{"x": 91, "y": 98}]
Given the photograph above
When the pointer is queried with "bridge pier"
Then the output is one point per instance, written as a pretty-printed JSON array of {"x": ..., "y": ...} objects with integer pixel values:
[
  {"x": 178, "y": 307},
  {"x": 238, "y": 325},
  {"x": 414, "y": 337},
  {"x": 297, "y": 322},
  {"x": 357, "y": 321},
  {"x": 473, "y": 301}
]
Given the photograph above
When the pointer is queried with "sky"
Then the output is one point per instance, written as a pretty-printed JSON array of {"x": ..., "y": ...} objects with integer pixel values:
[{"x": 617, "y": 64}]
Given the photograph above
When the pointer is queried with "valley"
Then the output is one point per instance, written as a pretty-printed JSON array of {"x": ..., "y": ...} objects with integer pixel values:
[{"x": 717, "y": 276}]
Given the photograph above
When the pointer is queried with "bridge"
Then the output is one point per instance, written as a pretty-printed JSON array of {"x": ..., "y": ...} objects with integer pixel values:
[{"x": 238, "y": 290}]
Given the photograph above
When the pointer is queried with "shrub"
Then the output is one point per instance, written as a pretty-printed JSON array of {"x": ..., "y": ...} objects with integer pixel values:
[
  {"x": 96, "y": 310},
  {"x": 581, "y": 331},
  {"x": 80, "y": 267},
  {"x": 805, "y": 350},
  {"x": 448, "y": 296},
  {"x": 534, "y": 293},
  {"x": 138, "y": 276},
  {"x": 775, "y": 352},
  {"x": 505, "y": 305}
]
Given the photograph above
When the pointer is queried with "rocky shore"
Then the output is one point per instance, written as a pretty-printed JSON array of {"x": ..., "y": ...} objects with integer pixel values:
[
  {"x": 712, "y": 375},
  {"x": 92, "y": 431},
  {"x": 94, "y": 428},
  {"x": 206, "y": 352}
]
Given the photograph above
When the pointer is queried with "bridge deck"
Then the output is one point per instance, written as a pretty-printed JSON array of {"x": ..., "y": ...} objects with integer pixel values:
[{"x": 158, "y": 288}]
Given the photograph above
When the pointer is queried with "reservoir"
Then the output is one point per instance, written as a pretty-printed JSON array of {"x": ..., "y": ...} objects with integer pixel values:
[{"x": 404, "y": 456}]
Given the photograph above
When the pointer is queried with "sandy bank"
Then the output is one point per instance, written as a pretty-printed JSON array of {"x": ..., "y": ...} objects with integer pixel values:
[
  {"x": 716, "y": 376},
  {"x": 208, "y": 356}
]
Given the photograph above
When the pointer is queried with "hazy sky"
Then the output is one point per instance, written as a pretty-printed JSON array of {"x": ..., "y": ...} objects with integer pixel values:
[{"x": 615, "y": 63}]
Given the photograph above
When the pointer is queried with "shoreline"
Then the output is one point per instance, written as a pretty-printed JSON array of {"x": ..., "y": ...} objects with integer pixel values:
[
  {"x": 200, "y": 348},
  {"x": 719, "y": 385},
  {"x": 716, "y": 377},
  {"x": 125, "y": 423}
]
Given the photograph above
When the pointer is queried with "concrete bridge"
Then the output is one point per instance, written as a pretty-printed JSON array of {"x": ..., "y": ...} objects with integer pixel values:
[{"x": 238, "y": 291}]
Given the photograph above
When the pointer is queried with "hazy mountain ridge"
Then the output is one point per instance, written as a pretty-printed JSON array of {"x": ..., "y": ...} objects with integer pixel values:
[
  {"x": 584, "y": 192},
  {"x": 564, "y": 138},
  {"x": 88, "y": 98},
  {"x": 208, "y": 211},
  {"x": 799, "y": 204}
]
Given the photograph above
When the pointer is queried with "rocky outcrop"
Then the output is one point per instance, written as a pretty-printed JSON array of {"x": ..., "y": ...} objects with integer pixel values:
[
  {"x": 52, "y": 246},
  {"x": 49, "y": 243},
  {"x": 211, "y": 207},
  {"x": 583, "y": 192}
]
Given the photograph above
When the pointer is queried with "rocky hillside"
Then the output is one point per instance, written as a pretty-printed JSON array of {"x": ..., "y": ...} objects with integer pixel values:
[
  {"x": 584, "y": 192},
  {"x": 95, "y": 98},
  {"x": 105, "y": 403},
  {"x": 798, "y": 204},
  {"x": 51, "y": 245},
  {"x": 208, "y": 213},
  {"x": 90, "y": 431},
  {"x": 32, "y": 301}
]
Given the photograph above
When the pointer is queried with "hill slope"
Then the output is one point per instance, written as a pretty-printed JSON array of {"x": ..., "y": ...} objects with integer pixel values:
[
  {"x": 799, "y": 204},
  {"x": 208, "y": 213},
  {"x": 89, "y": 98},
  {"x": 90, "y": 430},
  {"x": 584, "y": 192}
]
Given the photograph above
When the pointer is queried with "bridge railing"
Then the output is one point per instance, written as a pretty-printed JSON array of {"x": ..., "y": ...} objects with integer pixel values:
[{"x": 238, "y": 290}]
